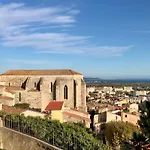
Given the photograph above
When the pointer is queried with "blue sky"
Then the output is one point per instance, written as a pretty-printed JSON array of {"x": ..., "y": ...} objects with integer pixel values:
[{"x": 99, "y": 38}]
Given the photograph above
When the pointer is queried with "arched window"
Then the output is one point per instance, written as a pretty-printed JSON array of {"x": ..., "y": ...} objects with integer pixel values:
[{"x": 65, "y": 92}]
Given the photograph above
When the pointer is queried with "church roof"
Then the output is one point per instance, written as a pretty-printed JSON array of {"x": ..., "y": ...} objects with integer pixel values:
[
  {"x": 41, "y": 72},
  {"x": 54, "y": 105}
]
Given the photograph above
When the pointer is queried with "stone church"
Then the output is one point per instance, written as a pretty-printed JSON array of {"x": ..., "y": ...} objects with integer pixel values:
[{"x": 39, "y": 87}]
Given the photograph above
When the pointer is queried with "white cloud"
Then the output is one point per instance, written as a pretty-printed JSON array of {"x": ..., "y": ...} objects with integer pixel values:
[
  {"x": 24, "y": 26},
  {"x": 19, "y": 17},
  {"x": 74, "y": 12}
]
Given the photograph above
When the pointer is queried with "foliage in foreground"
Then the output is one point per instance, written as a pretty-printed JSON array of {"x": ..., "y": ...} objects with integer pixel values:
[
  {"x": 118, "y": 132},
  {"x": 145, "y": 118},
  {"x": 22, "y": 105},
  {"x": 141, "y": 140},
  {"x": 66, "y": 136}
]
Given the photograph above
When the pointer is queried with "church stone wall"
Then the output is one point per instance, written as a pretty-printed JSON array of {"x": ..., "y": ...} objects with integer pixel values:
[
  {"x": 61, "y": 83},
  {"x": 83, "y": 97},
  {"x": 33, "y": 98},
  {"x": 40, "y": 97},
  {"x": 32, "y": 83},
  {"x": 46, "y": 95},
  {"x": 12, "y": 80}
]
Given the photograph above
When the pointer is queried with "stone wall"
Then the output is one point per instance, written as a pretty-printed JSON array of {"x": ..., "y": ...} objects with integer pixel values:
[
  {"x": 127, "y": 117},
  {"x": 83, "y": 96},
  {"x": 46, "y": 95},
  {"x": 38, "y": 94},
  {"x": 12, "y": 140},
  {"x": 60, "y": 84},
  {"x": 12, "y": 80},
  {"x": 33, "y": 98}
]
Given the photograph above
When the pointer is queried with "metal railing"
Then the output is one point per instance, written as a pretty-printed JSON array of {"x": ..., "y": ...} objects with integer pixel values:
[{"x": 53, "y": 140}]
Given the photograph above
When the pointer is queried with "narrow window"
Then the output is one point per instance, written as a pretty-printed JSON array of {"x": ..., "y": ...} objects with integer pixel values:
[
  {"x": 51, "y": 87},
  {"x": 35, "y": 85},
  {"x": 75, "y": 93},
  {"x": 19, "y": 97},
  {"x": 126, "y": 116},
  {"x": 9, "y": 84},
  {"x": 65, "y": 92}
]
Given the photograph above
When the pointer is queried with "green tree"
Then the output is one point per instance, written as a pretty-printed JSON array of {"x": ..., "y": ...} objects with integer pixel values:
[
  {"x": 118, "y": 132},
  {"x": 63, "y": 135},
  {"x": 145, "y": 118},
  {"x": 137, "y": 143},
  {"x": 139, "y": 140}
]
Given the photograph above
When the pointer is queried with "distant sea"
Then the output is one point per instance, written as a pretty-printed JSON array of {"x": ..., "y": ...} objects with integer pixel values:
[{"x": 88, "y": 79}]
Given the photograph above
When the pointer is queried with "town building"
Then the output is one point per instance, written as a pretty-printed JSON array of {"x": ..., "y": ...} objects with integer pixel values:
[
  {"x": 134, "y": 108},
  {"x": 90, "y": 89},
  {"x": 131, "y": 118},
  {"x": 128, "y": 89},
  {"x": 39, "y": 87}
]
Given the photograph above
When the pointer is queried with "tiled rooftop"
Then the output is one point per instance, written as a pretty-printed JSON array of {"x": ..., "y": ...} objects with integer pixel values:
[
  {"x": 54, "y": 105},
  {"x": 76, "y": 116},
  {"x": 82, "y": 112},
  {"x": 15, "y": 88},
  {"x": 6, "y": 98},
  {"x": 1, "y": 86},
  {"x": 9, "y": 91},
  {"x": 41, "y": 72},
  {"x": 12, "y": 110}
]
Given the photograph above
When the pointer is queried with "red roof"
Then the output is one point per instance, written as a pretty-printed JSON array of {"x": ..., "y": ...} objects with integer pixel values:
[
  {"x": 6, "y": 98},
  {"x": 79, "y": 111},
  {"x": 41, "y": 72},
  {"x": 1, "y": 86},
  {"x": 76, "y": 116},
  {"x": 55, "y": 105},
  {"x": 12, "y": 110},
  {"x": 9, "y": 91}
]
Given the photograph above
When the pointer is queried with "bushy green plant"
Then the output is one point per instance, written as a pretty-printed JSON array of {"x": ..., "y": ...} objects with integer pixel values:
[
  {"x": 118, "y": 132},
  {"x": 145, "y": 118},
  {"x": 22, "y": 105},
  {"x": 63, "y": 135}
]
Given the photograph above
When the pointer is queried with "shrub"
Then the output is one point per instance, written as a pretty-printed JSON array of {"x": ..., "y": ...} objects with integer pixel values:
[
  {"x": 63, "y": 135},
  {"x": 118, "y": 132},
  {"x": 22, "y": 105}
]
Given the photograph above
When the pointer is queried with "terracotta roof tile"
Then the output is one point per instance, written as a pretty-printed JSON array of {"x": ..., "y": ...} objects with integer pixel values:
[
  {"x": 55, "y": 105},
  {"x": 6, "y": 98},
  {"x": 110, "y": 107},
  {"x": 41, "y": 72},
  {"x": 1, "y": 86},
  {"x": 76, "y": 116},
  {"x": 15, "y": 88},
  {"x": 9, "y": 91},
  {"x": 79, "y": 111},
  {"x": 12, "y": 110}
]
